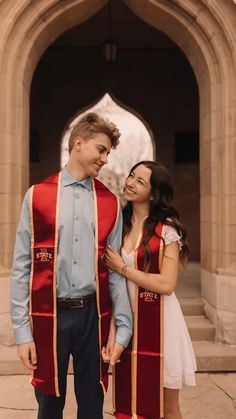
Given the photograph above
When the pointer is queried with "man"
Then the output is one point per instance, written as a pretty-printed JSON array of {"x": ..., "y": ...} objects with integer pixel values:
[{"x": 60, "y": 301}]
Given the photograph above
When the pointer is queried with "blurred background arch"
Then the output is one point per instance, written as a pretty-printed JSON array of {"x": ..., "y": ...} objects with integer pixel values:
[{"x": 136, "y": 141}]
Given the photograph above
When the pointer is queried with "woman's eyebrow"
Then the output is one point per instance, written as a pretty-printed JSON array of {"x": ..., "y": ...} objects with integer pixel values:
[
  {"x": 142, "y": 179},
  {"x": 133, "y": 173}
]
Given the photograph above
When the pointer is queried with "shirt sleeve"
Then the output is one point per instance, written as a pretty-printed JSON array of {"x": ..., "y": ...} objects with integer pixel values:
[
  {"x": 171, "y": 235},
  {"x": 119, "y": 295},
  {"x": 21, "y": 277}
]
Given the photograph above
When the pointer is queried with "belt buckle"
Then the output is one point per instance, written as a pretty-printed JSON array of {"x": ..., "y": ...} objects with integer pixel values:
[{"x": 80, "y": 302}]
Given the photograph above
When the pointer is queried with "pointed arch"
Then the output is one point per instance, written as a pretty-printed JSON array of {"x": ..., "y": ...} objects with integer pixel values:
[{"x": 136, "y": 140}]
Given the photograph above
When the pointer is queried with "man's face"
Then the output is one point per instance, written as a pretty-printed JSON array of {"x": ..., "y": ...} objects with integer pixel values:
[{"x": 92, "y": 154}]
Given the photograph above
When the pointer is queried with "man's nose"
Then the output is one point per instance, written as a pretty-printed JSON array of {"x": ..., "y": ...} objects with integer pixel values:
[{"x": 104, "y": 158}]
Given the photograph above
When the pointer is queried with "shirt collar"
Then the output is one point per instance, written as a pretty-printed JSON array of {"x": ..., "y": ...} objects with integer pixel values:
[{"x": 67, "y": 180}]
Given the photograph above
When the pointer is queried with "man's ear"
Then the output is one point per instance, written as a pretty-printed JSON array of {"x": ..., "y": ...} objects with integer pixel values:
[{"x": 77, "y": 143}]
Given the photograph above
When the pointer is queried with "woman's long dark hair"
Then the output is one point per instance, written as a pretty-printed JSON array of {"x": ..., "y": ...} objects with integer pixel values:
[{"x": 160, "y": 210}]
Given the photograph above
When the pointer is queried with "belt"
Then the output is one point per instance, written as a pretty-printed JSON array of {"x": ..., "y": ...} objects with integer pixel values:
[{"x": 78, "y": 302}]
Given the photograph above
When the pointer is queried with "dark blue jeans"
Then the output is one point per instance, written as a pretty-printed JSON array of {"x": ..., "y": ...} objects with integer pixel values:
[{"x": 77, "y": 334}]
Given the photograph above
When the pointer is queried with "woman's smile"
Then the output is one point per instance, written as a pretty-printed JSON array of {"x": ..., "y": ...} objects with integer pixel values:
[{"x": 129, "y": 191}]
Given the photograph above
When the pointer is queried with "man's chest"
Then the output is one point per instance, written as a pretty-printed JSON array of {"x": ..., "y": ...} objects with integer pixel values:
[{"x": 76, "y": 209}]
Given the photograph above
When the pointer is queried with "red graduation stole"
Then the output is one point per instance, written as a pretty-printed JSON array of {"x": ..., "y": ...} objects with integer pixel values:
[
  {"x": 138, "y": 378},
  {"x": 44, "y": 211}
]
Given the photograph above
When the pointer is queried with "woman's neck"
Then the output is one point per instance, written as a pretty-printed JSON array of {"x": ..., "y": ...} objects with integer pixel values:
[{"x": 140, "y": 212}]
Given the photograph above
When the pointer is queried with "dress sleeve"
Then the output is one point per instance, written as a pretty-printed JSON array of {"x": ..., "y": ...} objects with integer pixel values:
[{"x": 171, "y": 235}]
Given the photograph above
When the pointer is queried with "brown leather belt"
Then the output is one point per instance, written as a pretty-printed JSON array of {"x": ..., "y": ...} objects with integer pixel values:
[{"x": 78, "y": 302}]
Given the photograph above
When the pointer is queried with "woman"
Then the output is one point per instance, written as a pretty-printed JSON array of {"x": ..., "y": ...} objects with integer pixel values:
[{"x": 154, "y": 241}]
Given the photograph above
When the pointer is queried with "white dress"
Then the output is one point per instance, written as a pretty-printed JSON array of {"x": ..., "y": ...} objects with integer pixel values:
[{"x": 179, "y": 359}]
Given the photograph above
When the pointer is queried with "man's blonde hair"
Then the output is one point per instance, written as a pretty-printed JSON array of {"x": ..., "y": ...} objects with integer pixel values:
[{"x": 92, "y": 124}]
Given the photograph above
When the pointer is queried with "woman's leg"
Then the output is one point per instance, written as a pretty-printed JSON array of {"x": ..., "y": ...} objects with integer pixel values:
[{"x": 171, "y": 404}]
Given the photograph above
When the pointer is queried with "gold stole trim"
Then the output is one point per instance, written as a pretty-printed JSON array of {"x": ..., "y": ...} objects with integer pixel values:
[
  {"x": 32, "y": 263},
  {"x": 135, "y": 335},
  {"x": 97, "y": 278},
  {"x": 113, "y": 389},
  {"x": 97, "y": 274},
  {"x": 55, "y": 287},
  {"x": 113, "y": 367},
  {"x": 161, "y": 254},
  {"x": 32, "y": 251}
]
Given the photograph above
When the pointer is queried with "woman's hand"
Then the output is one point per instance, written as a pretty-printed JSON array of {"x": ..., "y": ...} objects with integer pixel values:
[
  {"x": 108, "y": 350},
  {"x": 106, "y": 356},
  {"x": 113, "y": 357},
  {"x": 113, "y": 259}
]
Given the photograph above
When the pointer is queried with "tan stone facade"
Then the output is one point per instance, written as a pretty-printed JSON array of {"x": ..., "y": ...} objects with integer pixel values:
[{"x": 206, "y": 32}]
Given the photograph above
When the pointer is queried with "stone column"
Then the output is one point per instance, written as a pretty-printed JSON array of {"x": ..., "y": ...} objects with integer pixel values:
[{"x": 219, "y": 219}]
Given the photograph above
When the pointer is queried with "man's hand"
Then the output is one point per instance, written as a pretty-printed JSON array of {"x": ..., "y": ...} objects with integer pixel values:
[
  {"x": 116, "y": 353},
  {"x": 27, "y": 353}
]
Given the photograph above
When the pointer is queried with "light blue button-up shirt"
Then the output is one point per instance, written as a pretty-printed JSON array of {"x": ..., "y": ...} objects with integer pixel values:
[{"x": 75, "y": 259}]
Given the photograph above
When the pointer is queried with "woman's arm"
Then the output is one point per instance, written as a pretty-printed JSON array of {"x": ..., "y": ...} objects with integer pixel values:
[
  {"x": 163, "y": 283},
  {"x": 112, "y": 334}
]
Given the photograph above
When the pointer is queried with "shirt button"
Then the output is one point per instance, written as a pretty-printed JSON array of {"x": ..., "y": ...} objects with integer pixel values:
[
  {"x": 76, "y": 240},
  {"x": 76, "y": 218},
  {"x": 77, "y": 196},
  {"x": 75, "y": 262},
  {"x": 73, "y": 285}
]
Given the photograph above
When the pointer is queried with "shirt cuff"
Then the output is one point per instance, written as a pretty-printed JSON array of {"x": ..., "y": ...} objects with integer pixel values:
[
  {"x": 23, "y": 334},
  {"x": 123, "y": 336}
]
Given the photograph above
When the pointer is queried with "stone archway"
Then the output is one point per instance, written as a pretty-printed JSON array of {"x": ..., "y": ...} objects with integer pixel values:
[{"x": 205, "y": 31}]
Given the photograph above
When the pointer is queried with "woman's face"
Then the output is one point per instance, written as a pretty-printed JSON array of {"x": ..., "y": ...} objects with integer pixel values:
[{"x": 138, "y": 186}]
